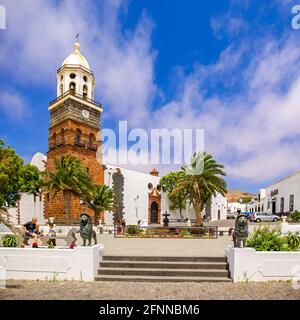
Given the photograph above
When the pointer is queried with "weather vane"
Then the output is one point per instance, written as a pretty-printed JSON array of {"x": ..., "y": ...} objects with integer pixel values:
[{"x": 77, "y": 37}]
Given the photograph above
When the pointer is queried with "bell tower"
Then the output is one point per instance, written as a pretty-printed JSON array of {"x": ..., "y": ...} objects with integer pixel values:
[{"x": 74, "y": 130}]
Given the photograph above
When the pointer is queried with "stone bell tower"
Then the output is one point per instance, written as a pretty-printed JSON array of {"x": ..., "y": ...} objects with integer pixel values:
[{"x": 74, "y": 130}]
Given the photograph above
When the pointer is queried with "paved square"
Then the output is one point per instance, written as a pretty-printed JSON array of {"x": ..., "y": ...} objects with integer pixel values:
[{"x": 40, "y": 290}]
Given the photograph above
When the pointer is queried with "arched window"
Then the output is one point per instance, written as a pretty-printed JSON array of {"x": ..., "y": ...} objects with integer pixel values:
[
  {"x": 85, "y": 92},
  {"x": 61, "y": 89},
  {"x": 77, "y": 135},
  {"x": 54, "y": 141},
  {"x": 72, "y": 88},
  {"x": 92, "y": 145}
]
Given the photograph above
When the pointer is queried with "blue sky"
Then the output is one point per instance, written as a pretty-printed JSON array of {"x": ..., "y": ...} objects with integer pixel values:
[{"x": 228, "y": 66}]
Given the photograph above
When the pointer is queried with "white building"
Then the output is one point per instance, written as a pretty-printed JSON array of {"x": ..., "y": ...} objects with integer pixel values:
[
  {"x": 235, "y": 207},
  {"x": 282, "y": 197}
]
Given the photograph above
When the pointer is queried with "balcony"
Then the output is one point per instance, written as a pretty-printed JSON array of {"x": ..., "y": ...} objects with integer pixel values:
[{"x": 73, "y": 94}]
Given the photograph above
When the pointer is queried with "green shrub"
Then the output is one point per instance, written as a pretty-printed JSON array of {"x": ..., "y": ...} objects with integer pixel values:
[
  {"x": 133, "y": 229},
  {"x": 293, "y": 240},
  {"x": 10, "y": 241},
  {"x": 266, "y": 239},
  {"x": 186, "y": 233},
  {"x": 295, "y": 216}
]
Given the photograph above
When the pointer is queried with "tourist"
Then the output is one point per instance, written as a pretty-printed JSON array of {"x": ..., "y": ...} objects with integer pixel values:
[
  {"x": 188, "y": 222},
  {"x": 30, "y": 227},
  {"x": 52, "y": 234}
]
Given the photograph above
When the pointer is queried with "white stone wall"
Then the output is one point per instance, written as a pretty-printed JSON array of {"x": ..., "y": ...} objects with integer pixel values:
[
  {"x": 80, "y": 263},
  {"x": 233, "y": 207},
  {"x": 249, "y": 265},
  {"x": 218, "y": 207},
  {"x": 135, "y": 194}
]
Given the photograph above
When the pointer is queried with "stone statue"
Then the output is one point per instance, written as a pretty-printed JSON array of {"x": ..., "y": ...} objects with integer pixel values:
[
  {"x": 86, "y": 229},
  {"x": 241, "y": 232},
  {"x": 166, "y": 220}
]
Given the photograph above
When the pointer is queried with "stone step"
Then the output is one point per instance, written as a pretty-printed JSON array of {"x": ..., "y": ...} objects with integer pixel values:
[
  {"x": 165, "y": 259},
  {"x": 164, "y": 272},
  {"x": 160, "y": 279},
  {"x": 164, "y": 265}
]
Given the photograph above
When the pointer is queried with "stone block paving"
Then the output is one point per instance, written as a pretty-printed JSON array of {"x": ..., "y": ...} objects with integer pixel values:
[{"x": 42, "y": 290}]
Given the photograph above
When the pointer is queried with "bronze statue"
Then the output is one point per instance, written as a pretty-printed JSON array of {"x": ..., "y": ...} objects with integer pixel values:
[
  {"x": 86, "y": 229},
  {"x": 241, "y": 232}
]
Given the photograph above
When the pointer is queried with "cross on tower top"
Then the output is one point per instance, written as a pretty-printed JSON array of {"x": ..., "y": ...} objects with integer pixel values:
[{"x": 77, "y": 37}]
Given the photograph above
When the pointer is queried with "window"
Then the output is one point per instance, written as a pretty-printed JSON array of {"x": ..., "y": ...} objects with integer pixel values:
[
  {"x": 281, "y": 205},
  {"x": 91, "y": 139},
  {"x": 61, "y": 89},
  {"x": 62, "y": 132},
  {"x": 54, "y": 139},
  {"x": 85, "y": 92},
  {"x": 72, "y": 88},
  {"x": 85, "y": 79},
  {"x": 72, "y": 75},
  {"x": 262, "y": 208},
  {"x": 77, "y": 136},
  {"x": 291, "y": 203},
  {"x": 92, "y": 144}
]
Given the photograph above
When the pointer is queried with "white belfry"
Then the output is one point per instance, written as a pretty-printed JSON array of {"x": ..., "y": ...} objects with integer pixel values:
[{"x": 75, "y": 76}]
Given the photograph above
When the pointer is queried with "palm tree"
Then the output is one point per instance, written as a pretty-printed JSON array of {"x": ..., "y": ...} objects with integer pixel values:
[
  {"x": 102, "y": 200},
  {"x": 200, "y": 181},
  {"x": 70, "y": 177}
]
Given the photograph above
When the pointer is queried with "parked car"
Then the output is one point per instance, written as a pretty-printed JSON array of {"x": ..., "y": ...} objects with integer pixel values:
[
  {"x": 264, "y": 216},
  {"x": 249, "y": 215}
]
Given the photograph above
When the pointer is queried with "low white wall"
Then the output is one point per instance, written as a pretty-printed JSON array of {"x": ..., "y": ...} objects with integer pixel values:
[
  {"x": 80, "y": 263},
  {"x": 293, "y": 228},
  {"x": 248, "y": 264}
]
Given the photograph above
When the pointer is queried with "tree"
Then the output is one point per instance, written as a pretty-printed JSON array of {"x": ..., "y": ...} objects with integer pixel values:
[
  {"x": 200, "y": 181},
  {"x": 178, "y": 201},
  {"x": 71, "y": 178},
  {"x": 102, "y": 200},
  {"x": 16, "y": 178}
]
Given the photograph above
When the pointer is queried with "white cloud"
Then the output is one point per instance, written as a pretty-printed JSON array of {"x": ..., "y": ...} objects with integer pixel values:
[
  {"x": 247, "y": 101},
  {"x": 253, "y": 131},
  {"x": 41, "y": 34},
  {"x": 13, "y": 105}
]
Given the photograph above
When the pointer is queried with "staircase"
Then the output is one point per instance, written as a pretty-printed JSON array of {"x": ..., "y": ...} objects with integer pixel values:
[{"x": 167, "y": 269}]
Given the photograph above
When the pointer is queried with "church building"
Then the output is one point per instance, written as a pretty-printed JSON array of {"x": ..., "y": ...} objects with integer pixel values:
[{"x": 75, "y": 129}]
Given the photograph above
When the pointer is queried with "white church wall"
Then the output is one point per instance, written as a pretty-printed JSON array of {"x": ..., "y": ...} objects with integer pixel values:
[
  {"x": 135, "y": 194},
  {"x": 218, "y": 207}
]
